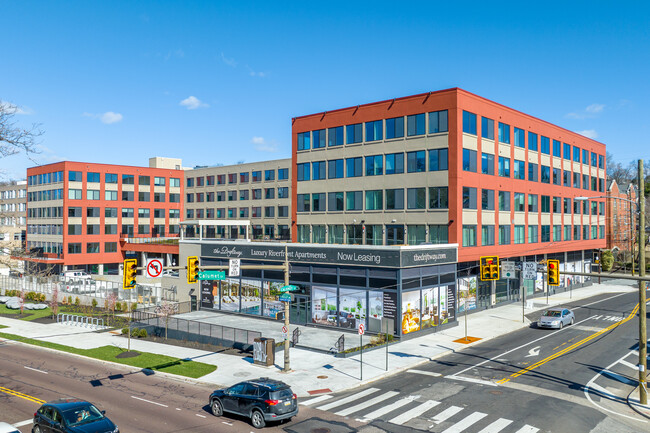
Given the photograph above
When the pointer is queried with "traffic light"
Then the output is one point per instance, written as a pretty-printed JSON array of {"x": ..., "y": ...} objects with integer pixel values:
[
  {"x": 553, "y": 272},
  {"x": 192, "y": 269},
  {"x": 489, "y": 268},
  {"x": 129, "y": 272}
]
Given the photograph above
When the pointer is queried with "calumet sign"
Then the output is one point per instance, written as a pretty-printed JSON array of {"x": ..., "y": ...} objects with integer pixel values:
[{"x": 381, "y": 257}]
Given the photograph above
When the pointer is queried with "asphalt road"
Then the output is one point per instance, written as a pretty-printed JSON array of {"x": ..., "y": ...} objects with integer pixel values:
[
  {"x": 527, "y": 381},
  {"x": 134, "y": 400}
]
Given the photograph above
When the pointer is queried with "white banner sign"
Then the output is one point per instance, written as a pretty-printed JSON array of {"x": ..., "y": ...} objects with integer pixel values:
[
  {"x": 530, "y": 270},
  {"x": 233, "y": 271}
]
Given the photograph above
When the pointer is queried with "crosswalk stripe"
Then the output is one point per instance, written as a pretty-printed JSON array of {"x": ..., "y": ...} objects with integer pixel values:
[
  {"x": 24, "y": 423},
  {"x": 628, "y": 364},
  {"x": 497, "y": 426},
  {"x": 348, "y": 399},
  {"x": 315, "y": 400},
  {"x": 597, "y": 317},
  {"x": 367, "y": 403},
  {"x": 412, "y": 413},
  {"x": 386, "y": 409},
  {"x": 600, "y": 389},
  {"x": 427, "y": 373},
  {"x": 527, "y": 429},
  {"x": 619, "y": 377},
  {"x": 447, "y": 413},
  {"x": 466, "y": 422}
]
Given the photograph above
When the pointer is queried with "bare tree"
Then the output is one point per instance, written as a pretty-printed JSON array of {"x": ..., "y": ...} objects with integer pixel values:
[
  {"x": 165, "y": 310},
  {"x": 54, "y": 302},
  {"x": 109, "y": 304},
  {"x": 15, "y": 139}
]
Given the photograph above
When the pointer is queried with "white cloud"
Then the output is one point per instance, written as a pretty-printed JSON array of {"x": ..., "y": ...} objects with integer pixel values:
[
  {"x": 589, "y": 133},
  {"x": 192, "y": 103},
  {"x": 595, "y": 108},
  {"x": 589, "y": 112},
  {"x": 229, "y": 61},
  {"x": 261, "y": 145},
  {"x": 15, "y": 109},
  {"x": 107, "y": 118},
  {"x": 253, "y": 73}
]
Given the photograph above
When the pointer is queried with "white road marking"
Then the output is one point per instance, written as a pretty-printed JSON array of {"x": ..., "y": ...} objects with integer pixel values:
[
  {"x": 315, "y": 400},
  {"x": 469, "y": 379},
  {"x": 412, "y": 413},
  {"x": 149, "y": 401},
  {"x": 629, "y": 364},
  {"x": 497, "y": 426},
  {"x": 428, "y": 373},
  {"x": 533, "y": 352},
  {"x": 597, "y": 317},
  {"x": 446, "y": 414},
  {"x": 23, "y": 423},
  {"x": 386, "y": 409},
  {"x": 367, "y": 403},
  {"x": 601, "y": 390},
  {"x": 528, "y": 429},
  {"x": 619, "y": 377},
  {"x": 602, "y": 300},
  {"x": 466, "y": 422},
  {"x": 35, "y": 369},
  {"x": 178, "y": 408},
  {"x": 588, "y": 328},
  {"x": 227, "y": 423},
  {"x": 348, "y": 399},
  {"x": 202, "y": 416}
]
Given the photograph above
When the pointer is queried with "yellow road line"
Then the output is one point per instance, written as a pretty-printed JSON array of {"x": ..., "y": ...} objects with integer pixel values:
[
  {"x": 568, "y": 349},
  {"x": 21, "y": 395}
]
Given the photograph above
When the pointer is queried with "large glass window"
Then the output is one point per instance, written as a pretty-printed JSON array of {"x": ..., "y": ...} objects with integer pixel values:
[
  {"x": 532, "y": 141},
  {"x": 469, "y": 197},
  {"x": 416, "y": 161},
  {"x": 469, "y": 235},
  {"x": 374, "y": 200},
  {"x": 415, "y": 125},
  {"x": 487, "y": 163},
  {"x": 335, "y": 201},
  {"x": 520, "y": 137},
  {"x": 532, "y": 234},
  {"x": 374, "y": 165},
  {"x": 302, "y": 172},
  {"x": 487, "y": 199},
  {"x": 438, "y": 197},
  {"x": 416, "y": 198},
  {"x": 354, "y": 133},
  {"x": 504, "y": 235},
  {"x": 395, "y": 127},
  {"x": 395, "y": 163},
  {"x": 546, "y": 174},
  {"x": 438, "y": 159},
  {"x": 504, "y": 200},
  {"x": 354, "y": 167},
  {"x": 335, "y": 169},
  {"x": 304, "y": 140},
  {"x": 576, "y": 154},
  {"x": 487, "y": 128},
  {"x": 318, "y": 170},
  {"x": 504, "y": 133},
  {"x": 469, "y": 123},
  {"x": 375, "y": 130},
  {"x": 520, "y": 202},
  {"x": 520, "y": 170},
  {"x": 469, "y": 160},
  {"x": 532, "y": 202},
  {"x": 504, "y": 166},
  {"x": 334, "y": 136},
  {"x": 487, "y": 235},
  {"x": 395, "y": 199},
  {"x": 520, "y": 234},
  {"x": 438, "y": 122},
  {"x": 532, "y": 172},
  {"x": 557, "y": 148},
  {"x": 354, "y": 200},
  {"x": 545, "y": 145},
  {"x": 318, "y": 138}
]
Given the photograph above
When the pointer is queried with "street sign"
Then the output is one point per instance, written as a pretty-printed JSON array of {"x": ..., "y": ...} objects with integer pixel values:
[
  {"x": 508, "y": 269},
  {"x": 285, "y": 297},
  {"x": 285, "y": 330},
  {"x": 154, "y": 268},
  {"x": 362, "y": 329},
  {"x": 233, "y": 270},
  {"x": 289, "y": 288},
  {"x": 212, "y": 275},
  {"x": 530, "y": 270}
]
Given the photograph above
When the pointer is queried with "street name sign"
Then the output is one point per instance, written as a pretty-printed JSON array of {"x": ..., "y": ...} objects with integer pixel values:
[
  {"x": 212, "y": 275},
  {"x": 289, "y": 288},
  {"x": 285, "y": 297}
]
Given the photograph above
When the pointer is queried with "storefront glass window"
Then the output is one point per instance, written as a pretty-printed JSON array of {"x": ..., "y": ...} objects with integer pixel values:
[
  {"x": 272, "y": 304},
  {"x": 250, "y": 296},
  {"x": 375, "y": 311},
  {"x": 410, "y": 311},
  {"x": 230, "y": 294},
  {"x": 352, "y": 305},
  {"x": 323, "y": 306}
]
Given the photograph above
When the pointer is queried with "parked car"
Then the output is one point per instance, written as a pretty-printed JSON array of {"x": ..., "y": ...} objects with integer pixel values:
[
  {"x": 169, "y": 273},
  {"x": 261, "y": 400},
  {"x": 8, "y": 428},
  {"x": 69, "y": 415},
  {"x": 75, "y": 275},
  {"x": 556, "y": 318}
]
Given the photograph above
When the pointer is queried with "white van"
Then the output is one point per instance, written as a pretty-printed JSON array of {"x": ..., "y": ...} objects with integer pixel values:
[{"x": 75, "y": 275}]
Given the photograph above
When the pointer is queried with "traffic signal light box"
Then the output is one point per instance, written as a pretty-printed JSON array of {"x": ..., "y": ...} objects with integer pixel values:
[
  {"x": 129, "y": 272},
  {"x": 192, "y": 269},
  {"x": 553, "y": 272},
  {"x": 489, "y": 268}
]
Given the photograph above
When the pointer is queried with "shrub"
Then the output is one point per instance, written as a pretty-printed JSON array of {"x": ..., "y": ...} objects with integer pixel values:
[
  {"x": 69, "y": 300},
  {"x": 77, "y": 301},
  {"x": 125, "y": 307},
  {"x": 607, "y": 260},
  {"x": 94, "y": 303},
  {"x": 134, "y": 306},
  {"x": 41, "y": 297},
  {"x": 143, "y": 333},
  {"x": 125, "y": 331}
]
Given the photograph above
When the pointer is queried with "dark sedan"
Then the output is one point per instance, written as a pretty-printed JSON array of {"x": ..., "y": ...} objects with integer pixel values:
[{"x": 71, "y": 416}]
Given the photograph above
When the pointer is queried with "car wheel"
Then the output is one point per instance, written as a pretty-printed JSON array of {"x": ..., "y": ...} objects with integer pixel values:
[
  {"x": 572, "y": 320},
  {"x": 561, "y": 325},
  {"x": 257, "y": 419},
  {"x": 217, "y": 408},
  {"x": 37, "y": 429}
]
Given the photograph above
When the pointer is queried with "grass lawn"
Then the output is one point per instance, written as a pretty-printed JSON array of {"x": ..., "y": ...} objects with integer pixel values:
[
  {"x": 146, "y": 360},
  {"x": 37, "y": 314}
]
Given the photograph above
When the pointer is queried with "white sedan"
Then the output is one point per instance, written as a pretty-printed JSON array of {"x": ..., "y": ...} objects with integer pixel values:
[{"x": 556, "y": 318}]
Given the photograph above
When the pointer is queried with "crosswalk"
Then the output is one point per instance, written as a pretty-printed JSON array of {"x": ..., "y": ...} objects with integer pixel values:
[{"x": 373, "y": 404}]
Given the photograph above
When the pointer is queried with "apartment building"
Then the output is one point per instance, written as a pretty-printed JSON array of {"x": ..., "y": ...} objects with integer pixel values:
[
  {"x": 451, "y": 167},
  {"x": 79, "y": 214},
  {"x": 259, "y": 192},
  {"x": 622, "y": 216},
  {"x": 13, "y": 205}
]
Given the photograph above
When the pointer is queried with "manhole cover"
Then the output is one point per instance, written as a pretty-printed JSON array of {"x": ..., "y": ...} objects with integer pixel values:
[
  {"x": 320, "y": 430},
  {"x": 321, "y": 377},
  {"x": 496, "y": 392}
]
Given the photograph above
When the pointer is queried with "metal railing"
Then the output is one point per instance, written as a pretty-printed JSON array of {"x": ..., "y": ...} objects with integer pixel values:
[
  {"x": 295, "y": 336},
  {"x": 84, "y": 321}
]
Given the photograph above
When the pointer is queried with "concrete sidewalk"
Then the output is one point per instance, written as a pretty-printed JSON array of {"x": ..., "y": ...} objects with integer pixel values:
[{"x": 312, "y": 371}]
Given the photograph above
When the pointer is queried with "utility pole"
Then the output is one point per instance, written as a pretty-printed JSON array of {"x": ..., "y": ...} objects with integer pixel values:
[
  {"x": 631, "y": 237},
  {"x": 287, "y": 367},
  {"x": 643, "y": 342}
]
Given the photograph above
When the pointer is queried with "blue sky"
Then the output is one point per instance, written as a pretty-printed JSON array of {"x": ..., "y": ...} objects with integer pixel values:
[{"x": 218, "y": 82}]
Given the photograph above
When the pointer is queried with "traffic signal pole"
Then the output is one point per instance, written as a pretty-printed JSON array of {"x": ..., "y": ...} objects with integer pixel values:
[
  {"x": 643, "y": 336},
  {"x": 287, "y": 367}
]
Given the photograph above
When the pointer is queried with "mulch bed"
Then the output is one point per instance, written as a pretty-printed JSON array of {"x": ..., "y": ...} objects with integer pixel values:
[
  {"x": 128, "y": 354},
  {"x": 195, "y": 345}
]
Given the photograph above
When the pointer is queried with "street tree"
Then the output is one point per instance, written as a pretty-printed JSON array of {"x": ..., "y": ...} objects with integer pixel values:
[
  {"x": 15, "y": 139},
  {"x": 165, "y": 310}
]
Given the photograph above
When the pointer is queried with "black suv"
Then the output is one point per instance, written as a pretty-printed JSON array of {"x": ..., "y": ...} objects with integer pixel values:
[
  {"x": 68, "y": 415},
  {"x": 261, "y": 400}
]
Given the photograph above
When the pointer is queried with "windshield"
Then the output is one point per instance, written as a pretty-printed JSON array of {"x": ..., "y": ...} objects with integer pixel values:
[
  {"x": 551, "y": 313},
  {"x": 81, "y": 415}
]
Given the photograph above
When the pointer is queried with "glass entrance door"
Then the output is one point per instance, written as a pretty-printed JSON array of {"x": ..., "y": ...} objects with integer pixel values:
[{"x": 299, "y": 310}]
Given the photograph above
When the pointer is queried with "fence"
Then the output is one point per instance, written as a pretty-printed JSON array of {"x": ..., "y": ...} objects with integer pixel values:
[{"x": 195, "y": 331}]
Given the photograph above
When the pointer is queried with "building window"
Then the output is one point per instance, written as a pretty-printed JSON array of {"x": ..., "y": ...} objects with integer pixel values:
[
  {"x": 504, "y": 235},
  {"x": 557, "y": 148},
  {"x": 354, "y": 167},
  {"x": 520, "y": 170},
  {"x": 504, "y": 166},
  {"x": 469, "y": 235},
  {"x": 129, "y": 179},
  {"x": 269, "y": 211},
  {"x": 353, "y": 200},
  {"x": 110, "y": 178},
  {"x": 566, "y": 154},
  {"x": 416, "y": 198},
  {"x": 302, "y": 172},
  {"x": 318, "y": 170},
  {"x": 438, "y": 197},
  {"x": 601, "y": 161},
  {"x": 533, "y": 234},
  {"x": 532, "y": 172},
  {"x": 487, "y": 199},
  {"x": 283, "y": 173},
  {"x": 487, "y": 235},
  {"x": 244, "y": 177},
  {"x": 520, "y": 137},
  {"x": 576, "y": 154},
  {"x": 576, "y": 233},
  {"x": 438, "y": 234},
  {"x": 283, "y": 212},
  {"x": 318, "y": 203},
  {"x": 520, "y": 234},
  {"x": 75, "y": 176},
  {"x": 374, "y": 200},
  {"x": 304, "y": 141},
  {"x": 145, "y": 180},
  {"x": 415, "y": 125},
  {"x": 504, "y": 200},
  {"x": 585, "y": 181},
  {"x": 567, "y": 233},
  {"x": 469, "y": 197},
  {"x": 557, "y": 180},
  {"x": 318, "y": 138},
  {"x": 487, "y": 128},
  {"x": 545, "y": 145},
  {"x": 532, "y": 141},
  {"x": 302, "y": 204},
  {"x": 395, "y": 163},
  {"x": 576, "y": 180},
  {"x": 395, "y": 127},
  {"x": 269, "y": 193},
  {"x": 257, "y": 176},
  {"x": 74, "y": 194},
  {"x": 546, "y": 203},
  {"x": 257, "y": 194},
  {"x": 416, "y": 161},
  {"x": 269, "y": 175},
  {"x": 504, "y": 133},
  {"x": 469, "y": 123},
  {"x": 375, "y": 130},
  {"x": 335, "y": 201},
  {"x": 374, "y": 165},
  {"x": 283, "y": 192},
  {"x": 546, "y": 233},
  {"x": 520, "y": 202},
  {"x": 354, "y": 133},
  {"x": 546, "y": 174},
  {"x": 438, "y": 122},
  {"x": 110, "y": 195},
  {"x": 557, "y": 233},
  {"x": 438, "y": 159},
  {"x": 334, "y": 136},
  {"x": 143, "y": 196},
  {"x": 110, "y": 247},
  {"x": 92, "y": 177},
  {"x": 469, "y": 160},
  {"x": 532, "y": 202},
  {"x": 74, "y": 248},
  {"x": 395, "y": 199},
  {"x": 556, "y": 205},
  {"x": 487, "y": 163}
]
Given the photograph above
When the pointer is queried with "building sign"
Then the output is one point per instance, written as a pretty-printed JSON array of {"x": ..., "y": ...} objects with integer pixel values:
[
  {"x": 207, "y": 296},
  {"x": 379, "y": 257}
]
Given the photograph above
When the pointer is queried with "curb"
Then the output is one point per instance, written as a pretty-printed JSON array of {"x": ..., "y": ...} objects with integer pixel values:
[{"x": 643, "y": 410}]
